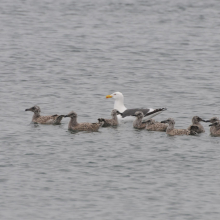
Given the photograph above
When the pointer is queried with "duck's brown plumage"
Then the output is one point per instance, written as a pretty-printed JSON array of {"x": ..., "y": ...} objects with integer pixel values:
[
  {"x": 75, "y": 126},
  {"x": 152, "y": 125},
  {"x": 110, "y": 122},
  {"x": 215, "y": 128},
  {"x": 196, "y": 126},
  {"x": 138, "y": 121},
  {"x": 213, "y": 120},
  {"x": 172, "y": 131},
  {"x": 37, "y": 118}
]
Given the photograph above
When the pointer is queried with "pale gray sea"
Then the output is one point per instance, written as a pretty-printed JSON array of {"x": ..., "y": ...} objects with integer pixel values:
[{"x": 68, "y": 55}]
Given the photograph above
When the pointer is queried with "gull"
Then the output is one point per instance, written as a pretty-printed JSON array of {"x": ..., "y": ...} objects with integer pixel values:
[{"x": 127, "y": 114}]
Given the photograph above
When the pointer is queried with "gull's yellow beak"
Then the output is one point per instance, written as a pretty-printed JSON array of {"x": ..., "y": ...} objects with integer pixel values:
[{"x": 108, "y": 96}]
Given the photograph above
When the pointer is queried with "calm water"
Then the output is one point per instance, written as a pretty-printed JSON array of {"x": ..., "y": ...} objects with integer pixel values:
[{"x": 68, "y": 55}]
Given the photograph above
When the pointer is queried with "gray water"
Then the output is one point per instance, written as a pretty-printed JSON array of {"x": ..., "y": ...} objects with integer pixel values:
[{"x": 68, "y": 55}]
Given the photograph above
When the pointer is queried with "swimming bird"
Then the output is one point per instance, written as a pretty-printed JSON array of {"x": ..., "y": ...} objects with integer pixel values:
[
  {"x": 37, "y": 118},
  {"x": 110, "y": 122},
  {"x": 75, "y": 126},
  {"x": 127, "y": 114},
  {"x": 215, "y": 131},
  {"x": 196, "y": 126},
  {"x": 172, "y": 131},
  {"x": 138, "y": 121},
  {"x": 152, "y": 125},
  {"x": 213, "y": 120}
]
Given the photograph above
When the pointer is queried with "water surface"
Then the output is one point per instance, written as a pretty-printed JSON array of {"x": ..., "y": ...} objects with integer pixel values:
[{"x": 69, "y": 55}]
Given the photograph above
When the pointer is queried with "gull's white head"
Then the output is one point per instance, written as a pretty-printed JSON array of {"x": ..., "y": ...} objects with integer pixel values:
[
  {"x": 119, "y": 101},
  {"x": 116, "y": 95}
]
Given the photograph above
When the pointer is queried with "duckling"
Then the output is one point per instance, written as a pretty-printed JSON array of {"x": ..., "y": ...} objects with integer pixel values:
[
  {"x": 37, "y": 118},
  {"x": 75, "y": 126},
  {"x": 196, "y": 126},
  {"x": 152, "y": 125},
  {"x": 215, "y": 131},
  {"x": 172, "y": 131},
  {"x": 110, "y": 122},
  {"x": 138, "y": 121},
  {"x": 213, "y": 120}
]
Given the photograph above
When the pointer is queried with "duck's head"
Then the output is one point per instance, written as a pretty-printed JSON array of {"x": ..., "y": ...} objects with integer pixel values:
[
  {"x": 35, "y": 109},
  {"x": 197, "y": 119},
  {"x": 169, "y": 121},
  {"x": 72, "y": 114},
  {"x": 115, "y": 112},
  {"x": 213, "y": 120}
]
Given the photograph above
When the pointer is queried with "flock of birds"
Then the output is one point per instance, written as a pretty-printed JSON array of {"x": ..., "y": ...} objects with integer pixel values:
[{"x": 141, "y": 117}]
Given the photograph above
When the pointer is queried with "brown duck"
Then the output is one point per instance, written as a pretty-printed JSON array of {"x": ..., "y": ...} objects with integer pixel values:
[
  {"x": 213, "y": 120},
  {"x": 75, "y": 126},
  {"x": 138, "y": 121},
  {"x": 110, "y": 122},
  {"x": 37, "y": 118},
  {"x": 196, "y": 126},
  {"x": 215, "y": 128},
  {"x": 172, "y": 131}
]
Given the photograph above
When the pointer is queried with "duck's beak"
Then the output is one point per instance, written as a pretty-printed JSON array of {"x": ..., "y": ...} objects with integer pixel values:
[
  {"x": 202, "y": 119},
  {"x": 108, "y": 96},
  {"x": 27, "y": 109},
  {"x": 164, "y": 121},
  {"x": 66, "y": 116},
  {"x": 206, "y": 120}
]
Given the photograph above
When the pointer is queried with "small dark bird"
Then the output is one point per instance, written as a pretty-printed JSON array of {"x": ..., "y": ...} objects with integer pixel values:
[
  {"x": 212, "y": 120},
  {"x": 37, "y": 118},
  {"x": 110, "y": 122},
  {"x": 138, "y": 121},
  {"x": 172, "y": 131},
  {"x": 215, "y": 127},
  {"x": 196, "y": 126},
  {"x": 75, "y": 126}
]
